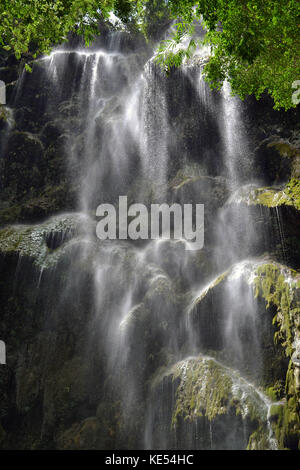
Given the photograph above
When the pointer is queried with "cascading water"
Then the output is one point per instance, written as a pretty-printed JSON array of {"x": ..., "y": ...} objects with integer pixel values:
[{"x": 177, "y": 338}]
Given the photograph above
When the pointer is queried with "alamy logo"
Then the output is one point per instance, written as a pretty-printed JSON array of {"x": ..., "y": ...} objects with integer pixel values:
[
  {"x": 162, "y": 222},
  {"x": 2, "y": 352},
  {"x": 2, "y": 92}
]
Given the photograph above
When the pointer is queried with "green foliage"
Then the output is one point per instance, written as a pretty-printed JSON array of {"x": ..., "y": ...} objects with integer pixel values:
[
  {"x": 152, "y": 16},
  {"x": 254, "y": 44},
  {"x": 172, "y": 52},
  {"x": 40, "y": 24}
]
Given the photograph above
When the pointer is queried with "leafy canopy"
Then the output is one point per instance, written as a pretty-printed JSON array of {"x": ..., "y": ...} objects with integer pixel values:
[
  {"x": 40, "y": 24},
  {"x": 254, "y": 43}
]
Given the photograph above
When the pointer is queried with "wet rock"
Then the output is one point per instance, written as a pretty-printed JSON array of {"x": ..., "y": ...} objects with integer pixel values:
[
  {"x": 269, "y": 197},
  {"x": 214, "y": 311},
  {"x": 45, "y": 243},
  {"x": 206, "y": 397},
  {"x": 189, "y": 186}
]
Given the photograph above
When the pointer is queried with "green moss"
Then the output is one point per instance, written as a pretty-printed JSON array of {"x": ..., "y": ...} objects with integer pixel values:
[
  {"x": 258, "y": 440},
  {"x": 273, "y": 393},
  {"x": 292, "y": 190},
  {"x": 31, "y": 240},
  {"x": 270, "y": 197},
  {"x": 275, "y": 412},
  {"x": 285, "y": 423},
  {"x": 205, "y": 388},
  {"x": 279, "y": 287}
]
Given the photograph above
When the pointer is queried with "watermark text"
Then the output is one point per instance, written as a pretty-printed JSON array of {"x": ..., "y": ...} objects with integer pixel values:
[{"x": 161, "y": 222}]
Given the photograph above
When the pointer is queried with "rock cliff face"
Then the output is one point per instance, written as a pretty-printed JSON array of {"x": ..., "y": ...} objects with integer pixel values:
[{"x": 144, "y": 344}]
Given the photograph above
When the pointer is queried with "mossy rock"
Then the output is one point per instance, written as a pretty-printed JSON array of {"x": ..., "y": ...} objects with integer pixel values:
[
  {"x": 259, "y": 440},
  {"x": 289, "y": 195},
  {"x": 213, "y": 396},
  {"x": 276, "y": 289},
  {"x": 208, "y": 388},
  {"x": 44, "y": 243},
  {"x": 226, "y": 308},
  {"x": 51, "y": 200},
  {"x": 285, "y": 423},
  {"x": 279, "y": 286}
]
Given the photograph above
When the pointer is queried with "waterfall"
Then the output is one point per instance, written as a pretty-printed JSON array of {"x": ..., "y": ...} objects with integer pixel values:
[{"x": 179, "y": 342}]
